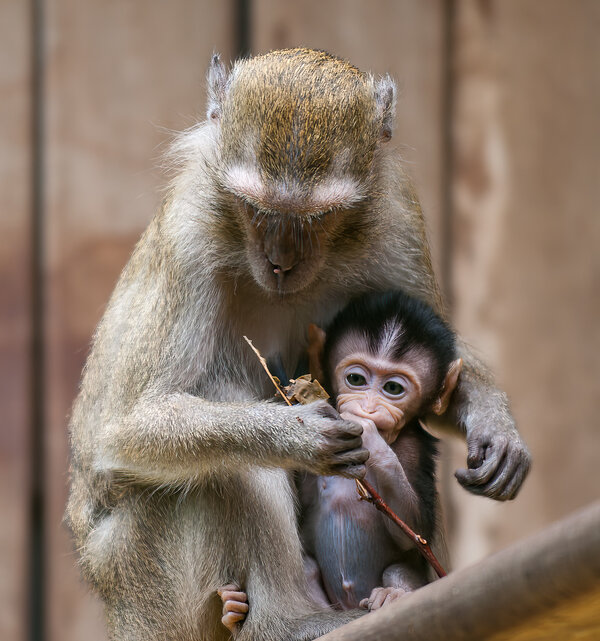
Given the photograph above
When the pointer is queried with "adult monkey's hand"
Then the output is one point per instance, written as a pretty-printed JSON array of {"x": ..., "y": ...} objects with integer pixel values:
[
  {"x": 497, "y": 458},
  {"x": 497, "y": 464}
]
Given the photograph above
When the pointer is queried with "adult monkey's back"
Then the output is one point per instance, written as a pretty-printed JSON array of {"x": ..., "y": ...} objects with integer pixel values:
[{"x": 287, "y": 203}]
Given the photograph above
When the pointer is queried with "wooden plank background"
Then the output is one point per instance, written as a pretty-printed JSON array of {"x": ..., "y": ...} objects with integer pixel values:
[
  {"x": 498, "y": 124},
  {"x": 16, "y": 213}
]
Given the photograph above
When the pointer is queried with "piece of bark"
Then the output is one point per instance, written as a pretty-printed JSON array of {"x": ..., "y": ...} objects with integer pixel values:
[{"x": 304, "y": 390}]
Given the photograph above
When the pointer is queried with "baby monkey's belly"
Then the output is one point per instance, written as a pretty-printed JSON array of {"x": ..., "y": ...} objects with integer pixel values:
[{"x": 352, "y": 545}]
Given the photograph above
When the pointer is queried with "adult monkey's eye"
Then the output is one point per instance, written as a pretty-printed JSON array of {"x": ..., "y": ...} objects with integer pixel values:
[
  {"x": 356, "y": 380},
  {"x": 255, "y": 214},
  {"x": 394, "y": 388}
]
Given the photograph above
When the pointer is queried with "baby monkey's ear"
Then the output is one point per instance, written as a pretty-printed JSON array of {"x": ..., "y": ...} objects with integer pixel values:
[
  {"x": 440, "y": 405},
  {"x": 316, "y": 343}
]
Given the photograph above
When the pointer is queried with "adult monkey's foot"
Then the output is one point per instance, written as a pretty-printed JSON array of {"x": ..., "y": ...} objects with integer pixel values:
[{"x": 235, "y": 606}]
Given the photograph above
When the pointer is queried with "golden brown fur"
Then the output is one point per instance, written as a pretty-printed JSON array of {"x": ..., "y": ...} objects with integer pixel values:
[{"x": 306, "y": 117}]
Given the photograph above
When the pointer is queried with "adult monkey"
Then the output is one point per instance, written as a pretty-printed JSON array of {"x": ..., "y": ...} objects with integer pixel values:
[{"x": 287, "y": 203}]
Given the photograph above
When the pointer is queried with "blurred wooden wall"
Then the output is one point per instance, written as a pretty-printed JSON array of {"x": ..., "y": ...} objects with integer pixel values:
[{"x": 498, "y": 123}]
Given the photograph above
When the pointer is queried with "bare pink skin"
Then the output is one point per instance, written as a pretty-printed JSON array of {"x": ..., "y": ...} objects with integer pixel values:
[
  {"x": 370, "y": 401},
  {"x": 382, "y": 596},
  {"x": 386, "y": 471}
]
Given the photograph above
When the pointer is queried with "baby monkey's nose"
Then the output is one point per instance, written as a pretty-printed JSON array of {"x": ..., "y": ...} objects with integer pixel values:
[{"x": 369, "y": 403}]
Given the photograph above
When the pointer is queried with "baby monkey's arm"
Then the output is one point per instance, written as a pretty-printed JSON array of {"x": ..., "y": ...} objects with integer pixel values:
[{"x": 386, "y": 471}]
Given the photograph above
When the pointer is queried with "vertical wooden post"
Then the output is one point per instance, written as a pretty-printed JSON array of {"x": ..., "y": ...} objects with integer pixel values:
[{"x": 16, "y": 218}]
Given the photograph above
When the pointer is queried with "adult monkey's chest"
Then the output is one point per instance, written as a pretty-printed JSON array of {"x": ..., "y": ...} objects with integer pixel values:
[{"x": 280, "y": 334}]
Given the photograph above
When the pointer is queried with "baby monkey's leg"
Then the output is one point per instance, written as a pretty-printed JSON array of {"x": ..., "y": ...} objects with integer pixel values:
[{"x": 235, "y": 607}]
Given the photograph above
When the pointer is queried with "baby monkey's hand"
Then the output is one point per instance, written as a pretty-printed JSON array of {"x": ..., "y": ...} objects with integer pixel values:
[{"x": 371, "y": 437}]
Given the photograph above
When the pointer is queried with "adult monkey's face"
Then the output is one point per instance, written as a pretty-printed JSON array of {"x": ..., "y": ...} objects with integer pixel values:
[{"x": 298, "y": 136}]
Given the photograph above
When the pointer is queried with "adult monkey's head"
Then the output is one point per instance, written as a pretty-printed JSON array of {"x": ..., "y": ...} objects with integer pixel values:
[{"x": 298, "y": 137}]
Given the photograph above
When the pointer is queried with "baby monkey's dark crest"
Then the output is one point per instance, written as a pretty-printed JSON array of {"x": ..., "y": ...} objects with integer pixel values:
[
  {"x": 393, "y": 325},
  {"x": 296, "y": 150}
]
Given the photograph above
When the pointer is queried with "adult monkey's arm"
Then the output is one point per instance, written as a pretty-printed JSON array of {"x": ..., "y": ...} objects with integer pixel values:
[{"x": 498, "y": 460}]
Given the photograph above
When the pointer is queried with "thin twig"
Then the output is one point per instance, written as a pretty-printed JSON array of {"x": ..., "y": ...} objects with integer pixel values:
[
  {"x": 368, "y": 493},
  {"x": 263, "y": 362}
]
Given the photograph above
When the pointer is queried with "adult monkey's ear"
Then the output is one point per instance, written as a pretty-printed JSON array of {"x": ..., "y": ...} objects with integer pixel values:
[
  {"x": 316, "y": 343},
  {"x": 440, "y": 405},
  {"x": 217, "y": 81},
  {"x": 385, "y": 101}
]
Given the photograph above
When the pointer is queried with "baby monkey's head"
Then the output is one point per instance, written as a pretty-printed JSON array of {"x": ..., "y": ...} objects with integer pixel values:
[{"x": 389, "y": 358}]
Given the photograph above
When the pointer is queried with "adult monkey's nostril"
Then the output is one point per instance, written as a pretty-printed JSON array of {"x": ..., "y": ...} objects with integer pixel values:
[
  {"x": 282, "y": 263},
  {"x": 281, "y": 270}
]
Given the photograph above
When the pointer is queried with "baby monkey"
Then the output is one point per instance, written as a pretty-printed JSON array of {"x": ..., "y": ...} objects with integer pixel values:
[{"x": 388, "y": 360}]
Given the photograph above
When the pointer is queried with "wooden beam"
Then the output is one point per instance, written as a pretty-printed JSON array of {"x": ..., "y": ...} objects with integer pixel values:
[{"x": 545, "y": 587}]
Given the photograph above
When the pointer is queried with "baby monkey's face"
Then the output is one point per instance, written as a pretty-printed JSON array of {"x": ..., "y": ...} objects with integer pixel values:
[{"x": 374, "y": 388}]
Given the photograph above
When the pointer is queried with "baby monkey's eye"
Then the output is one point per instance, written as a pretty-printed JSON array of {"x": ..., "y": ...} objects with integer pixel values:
[
  {"x": 356, "y": 380},
  {"x": 394, "y": 388}
]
